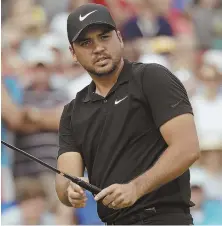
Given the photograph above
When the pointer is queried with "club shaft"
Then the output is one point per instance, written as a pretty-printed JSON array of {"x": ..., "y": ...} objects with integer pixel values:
[{"x": 93, "y": 189}]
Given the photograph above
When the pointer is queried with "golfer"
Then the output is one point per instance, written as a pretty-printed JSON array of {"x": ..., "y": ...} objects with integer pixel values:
[{"x": 132, "y": 128}]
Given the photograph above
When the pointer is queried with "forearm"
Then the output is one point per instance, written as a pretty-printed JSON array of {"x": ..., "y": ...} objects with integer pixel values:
[
  {"x": 72, "y": 164},
  {"x": 28, "y": 127},
  {"x": 18, "y": 122},
  {"x": 61, "y": 190},
  {"x": 15, "y": 121},
  {"x": 49, "y": 123},
  {"x": 11, "y": 113},
  {"x": 50, "y": 119},
  {"x": 170, "y": 165}
]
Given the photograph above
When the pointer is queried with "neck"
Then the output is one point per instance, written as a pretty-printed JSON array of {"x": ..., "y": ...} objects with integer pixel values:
[{"x": 105, "y": 83}]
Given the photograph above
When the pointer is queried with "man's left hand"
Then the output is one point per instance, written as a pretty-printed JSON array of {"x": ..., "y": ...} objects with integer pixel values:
[{"x": 118, "y": 196}]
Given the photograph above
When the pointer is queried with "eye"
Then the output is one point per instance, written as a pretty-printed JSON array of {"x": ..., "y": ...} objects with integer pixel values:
[
  {"x": 105, "y": 37},
  {"x": 85, "y": 43}
]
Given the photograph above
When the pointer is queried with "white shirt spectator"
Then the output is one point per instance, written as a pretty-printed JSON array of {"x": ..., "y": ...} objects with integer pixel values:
[
  {"x": 78, "y": 84},
  {"x": 208, "y": 119},
  {"x": 154, "y": 58},
  {"x": 211, "y": 184}
]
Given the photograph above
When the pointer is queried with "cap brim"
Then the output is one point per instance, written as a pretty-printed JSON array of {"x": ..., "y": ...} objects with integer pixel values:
[{"x": 92, "y": 23}]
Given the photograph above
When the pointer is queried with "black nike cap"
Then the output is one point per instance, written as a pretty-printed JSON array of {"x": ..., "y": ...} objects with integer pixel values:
[{"x": 86, "y": 15}]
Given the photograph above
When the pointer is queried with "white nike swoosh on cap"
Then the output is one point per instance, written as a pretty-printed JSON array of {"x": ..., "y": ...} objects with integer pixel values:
[{"x": 81, "y": 18}]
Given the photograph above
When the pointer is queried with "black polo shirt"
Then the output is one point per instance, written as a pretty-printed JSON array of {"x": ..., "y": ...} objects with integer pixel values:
[{"x": 118, "y": 136}]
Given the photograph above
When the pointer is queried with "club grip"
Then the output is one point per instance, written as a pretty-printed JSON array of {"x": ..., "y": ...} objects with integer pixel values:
[{"x": 92, "y": 188}]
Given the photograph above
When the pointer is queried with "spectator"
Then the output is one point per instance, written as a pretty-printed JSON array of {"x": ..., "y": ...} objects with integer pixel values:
[
  {"x": 207, "y": 106},
  {"x": 205, "y": 211},
  {"x": 213, "y": 58},
  {"x": 211, "y": 161},
  {"x": 53, "y": 8},
  {"x": 207, "y": 101},
  {"x": 55, "y": 44},
  {"x": 10, "y": 122},
  {"x": 59, "y": 20},
  {"x": 203, "y": 14},
  {"x": 147, "y": 23},
  {"x": 12, "y": 62},
  {"x": 157, "y": 50},
  {"x": 31, "y": 205},
  {"x": 44, "y": 106},
  {"x": 81, "y": 80}
]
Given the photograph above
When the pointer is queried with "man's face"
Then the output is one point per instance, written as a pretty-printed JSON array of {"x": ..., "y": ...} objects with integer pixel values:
[
  {"x": 40, "y": 74},
  {"x": 98, "y": 49}
]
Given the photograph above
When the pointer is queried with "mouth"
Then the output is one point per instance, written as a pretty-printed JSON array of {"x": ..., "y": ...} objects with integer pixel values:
[
  {"x": 99, "y": 59},
  {"x": 102, "y": 61}
]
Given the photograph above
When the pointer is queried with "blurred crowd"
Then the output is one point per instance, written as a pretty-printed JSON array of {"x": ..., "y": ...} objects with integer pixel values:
[{"x": 39, "y": 77}]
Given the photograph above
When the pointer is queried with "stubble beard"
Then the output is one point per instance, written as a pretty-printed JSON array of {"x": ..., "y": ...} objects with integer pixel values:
[{"x": 97, "y": 73}]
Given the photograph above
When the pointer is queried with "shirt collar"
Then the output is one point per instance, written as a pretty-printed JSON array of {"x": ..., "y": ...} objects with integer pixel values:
[{"x": 124, "y": 77}]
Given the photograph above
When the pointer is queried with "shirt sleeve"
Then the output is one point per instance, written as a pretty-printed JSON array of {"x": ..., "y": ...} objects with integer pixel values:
[
  {"x": 66, "y": 139},
  {"x": 164, "y": 93}
]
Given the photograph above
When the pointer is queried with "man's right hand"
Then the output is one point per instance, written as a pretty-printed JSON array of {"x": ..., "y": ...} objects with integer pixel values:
[{"x": 76, "y": 195}]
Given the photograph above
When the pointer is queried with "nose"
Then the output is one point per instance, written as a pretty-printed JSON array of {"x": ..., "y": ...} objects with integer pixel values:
[{"x": 99, "y": 47}]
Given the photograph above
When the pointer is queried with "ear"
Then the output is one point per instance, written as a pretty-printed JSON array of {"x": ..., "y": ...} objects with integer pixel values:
[
  {"x": 120, "y": 38},
  {"x": 71, "y": 49}
]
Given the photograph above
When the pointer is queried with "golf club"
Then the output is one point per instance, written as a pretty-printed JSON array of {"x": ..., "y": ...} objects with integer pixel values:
[{"x": 93, "y": 189}]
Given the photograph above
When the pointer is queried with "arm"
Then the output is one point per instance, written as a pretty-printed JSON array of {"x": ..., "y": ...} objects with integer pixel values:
[
  {"x": 70, "y": 163},
  {"x": 172, "y": 113},
  {"x": 46, "y": 119},
  {"x": 183, "y": 151},
  {"x": 28, "y": 127},
  {"x": 50, "y": 118},
  {"x": 15, "y": 117},
  {"x": 69, "y": 160},
  {"x": 11, "y": 114}
]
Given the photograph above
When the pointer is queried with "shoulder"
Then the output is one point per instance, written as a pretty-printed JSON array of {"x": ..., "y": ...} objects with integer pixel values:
[
  {"x": 81, "y": 95},
  {"x": 152, "y": 71},
  {"x": 161, "y": 74},
  {"x": 158, "y": 68},
  {"x": 68, "y": 108},
  {"x": 156, "y": 77}
]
